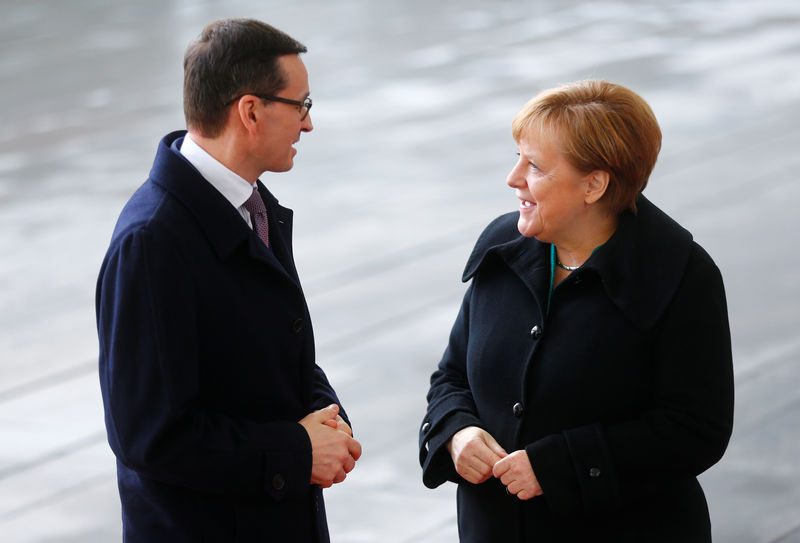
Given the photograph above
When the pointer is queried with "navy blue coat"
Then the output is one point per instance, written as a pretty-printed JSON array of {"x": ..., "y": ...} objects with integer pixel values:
[
  {"x": 206, "y": 367},
  {"x": 621, "y": 395}
]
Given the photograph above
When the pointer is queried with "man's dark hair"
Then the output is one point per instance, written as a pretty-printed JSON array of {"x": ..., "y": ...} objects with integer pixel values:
[{"x": 231, "y": 56}]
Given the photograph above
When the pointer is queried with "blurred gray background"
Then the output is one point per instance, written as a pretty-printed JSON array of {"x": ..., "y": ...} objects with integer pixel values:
[{"x": 412, "y": 106}]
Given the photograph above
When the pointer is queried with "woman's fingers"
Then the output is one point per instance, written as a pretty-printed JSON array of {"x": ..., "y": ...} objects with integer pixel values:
[
  {"x": 494, "y": 446},
  {"x": 473, "y": 475},
  {"x": 474, "y": 467},
  {"x": 526, "y": 494},
  {"x": 477, "y": 456},
  {"x": 474, "y": 453},
  {"x": 516, "y": 473}
]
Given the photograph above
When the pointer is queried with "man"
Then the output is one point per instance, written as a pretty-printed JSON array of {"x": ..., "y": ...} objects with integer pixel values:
[{"x": 223, "y": 426}]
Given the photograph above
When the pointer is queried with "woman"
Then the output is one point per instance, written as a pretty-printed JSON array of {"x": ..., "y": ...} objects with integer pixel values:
[{"x": 588, "y": 377}]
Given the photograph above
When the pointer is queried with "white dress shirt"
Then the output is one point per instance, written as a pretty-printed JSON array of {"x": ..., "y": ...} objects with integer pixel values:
[{"x": 234, "y": 188}]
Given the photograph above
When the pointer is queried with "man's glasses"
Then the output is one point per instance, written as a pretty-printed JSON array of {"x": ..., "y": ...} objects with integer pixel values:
[{"x": 303, "y": 107}]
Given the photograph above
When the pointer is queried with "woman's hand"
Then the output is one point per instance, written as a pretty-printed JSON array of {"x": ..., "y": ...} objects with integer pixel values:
[
  {"x": 474, "y": 453},
  {"x": 516, "y": 473}
]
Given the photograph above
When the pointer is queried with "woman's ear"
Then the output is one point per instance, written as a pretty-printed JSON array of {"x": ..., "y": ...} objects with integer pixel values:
[{"x": 596, "y": 186}]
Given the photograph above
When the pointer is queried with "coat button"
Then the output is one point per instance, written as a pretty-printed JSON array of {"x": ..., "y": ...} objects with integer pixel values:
[
  {"x": 595, "y": 472},
  {"x": 426, "y": 427},
  {"x": 278, "y": 482},
  {"x": 297, "y": 325},
  {"x": 518, "y": 409},
  {"x": 536, "y": 332}
]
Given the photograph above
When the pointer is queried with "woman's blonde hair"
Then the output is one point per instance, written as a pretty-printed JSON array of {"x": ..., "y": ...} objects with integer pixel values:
[{"x": 598, "y": 126}]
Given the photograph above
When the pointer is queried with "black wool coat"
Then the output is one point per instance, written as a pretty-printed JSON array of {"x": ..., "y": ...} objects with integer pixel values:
[
  {"x": 621, "y": 394},
  {"x": 206, "y": 365}
]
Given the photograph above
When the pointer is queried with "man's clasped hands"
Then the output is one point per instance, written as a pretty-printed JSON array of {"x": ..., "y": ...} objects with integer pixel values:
[{"x": 334, "y": 451}]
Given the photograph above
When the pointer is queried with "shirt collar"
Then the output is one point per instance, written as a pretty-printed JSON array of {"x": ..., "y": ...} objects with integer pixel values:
[{"x": 234, "y": 188}]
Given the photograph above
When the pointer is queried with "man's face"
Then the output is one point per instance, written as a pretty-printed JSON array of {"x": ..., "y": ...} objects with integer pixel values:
[{"x": 282, "y": 126}]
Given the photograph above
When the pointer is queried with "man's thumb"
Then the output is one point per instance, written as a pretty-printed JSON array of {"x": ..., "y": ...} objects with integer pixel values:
[{"x": 327, "y": 413}]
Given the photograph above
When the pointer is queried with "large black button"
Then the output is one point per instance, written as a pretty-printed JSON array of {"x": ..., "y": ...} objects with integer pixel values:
[
  {"x": 426, "y": 427},
  {"x": 595, "y": 472},
  {"x": 297, "y": 325},
  {"x": 278, "y": 482},
  {"x": 518, "y": 409},
  {"x": 536, "y": 332}
]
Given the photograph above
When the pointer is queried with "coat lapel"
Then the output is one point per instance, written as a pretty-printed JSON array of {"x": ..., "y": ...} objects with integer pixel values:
[
  {"x": 640, "y": 267},
  {"x": 219, "y": 221},
  {"x": 280, "y": 237},
  {"x": 528, "y": 258}
]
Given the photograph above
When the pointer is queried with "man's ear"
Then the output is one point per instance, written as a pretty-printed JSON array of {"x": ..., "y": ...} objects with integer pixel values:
[
  {"x": 247, "y": 112},
  {"x": 596, "y": 186}
]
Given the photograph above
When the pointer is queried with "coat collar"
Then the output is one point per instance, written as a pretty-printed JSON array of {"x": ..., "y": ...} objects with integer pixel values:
[
  {"x": 219, "y": 221},
  {"x": 640, "y": 267}
]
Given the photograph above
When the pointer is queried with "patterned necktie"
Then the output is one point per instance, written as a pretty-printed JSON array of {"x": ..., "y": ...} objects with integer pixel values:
[{"x": 258, "y": 214}]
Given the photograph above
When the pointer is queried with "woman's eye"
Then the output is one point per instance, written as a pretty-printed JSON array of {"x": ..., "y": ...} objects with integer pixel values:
[{"x": 532, "y": 166}]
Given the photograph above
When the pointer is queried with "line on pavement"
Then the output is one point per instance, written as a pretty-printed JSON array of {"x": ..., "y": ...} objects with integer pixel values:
[
  {"x": 55, "y": 497},
  {"x": 55, "y": 378},
  {"x": 789, "y": 537},
  {"x": 66, "y": 450}
]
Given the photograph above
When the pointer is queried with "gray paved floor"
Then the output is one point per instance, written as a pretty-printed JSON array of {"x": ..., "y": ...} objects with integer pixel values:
[{"x": 406, "y": 165}]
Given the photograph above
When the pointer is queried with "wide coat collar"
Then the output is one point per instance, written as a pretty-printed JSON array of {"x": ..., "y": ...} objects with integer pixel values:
[
  {"x": 219, "y": 221},
  {"x": 640, "y": 267}
]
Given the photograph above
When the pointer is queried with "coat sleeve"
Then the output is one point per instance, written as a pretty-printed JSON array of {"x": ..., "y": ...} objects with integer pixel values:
[
  {"x": 150, "y": 384},
  {"x": 450, "y": 405},
  {"x": 684, "y": 430},
  {"x": 324, "y": 395}
]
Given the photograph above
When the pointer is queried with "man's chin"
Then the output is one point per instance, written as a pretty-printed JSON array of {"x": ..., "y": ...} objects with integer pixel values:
[{"x": 279, "y": 168}]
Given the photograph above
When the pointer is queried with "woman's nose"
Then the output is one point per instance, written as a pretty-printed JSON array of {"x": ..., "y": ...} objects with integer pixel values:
[{"x": 515, "y": 178}]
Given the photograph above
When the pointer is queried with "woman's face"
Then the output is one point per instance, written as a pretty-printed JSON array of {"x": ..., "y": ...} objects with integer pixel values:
[{"x": 551, "y": 191}]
